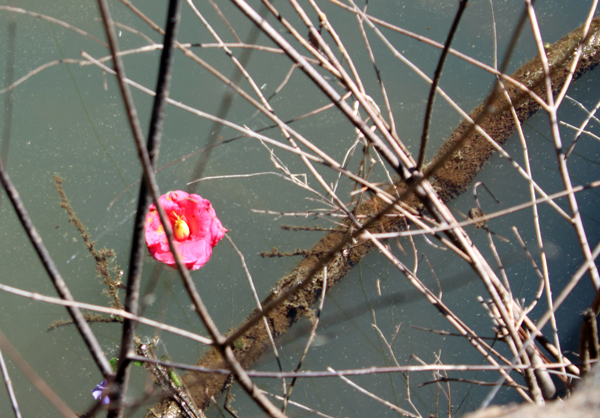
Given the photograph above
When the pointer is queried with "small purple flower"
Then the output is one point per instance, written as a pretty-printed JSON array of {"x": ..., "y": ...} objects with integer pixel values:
[{"x": 98, "y": 390}]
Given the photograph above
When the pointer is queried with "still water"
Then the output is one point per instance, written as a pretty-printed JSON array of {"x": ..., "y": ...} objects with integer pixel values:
[{"x": 69, "y": 120}]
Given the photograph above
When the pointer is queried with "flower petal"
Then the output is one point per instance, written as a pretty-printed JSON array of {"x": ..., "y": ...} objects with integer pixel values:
[{"x": 98, "y": 390}]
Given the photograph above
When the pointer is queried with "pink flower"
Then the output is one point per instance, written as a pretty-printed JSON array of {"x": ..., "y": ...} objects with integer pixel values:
[{"x": 195, "y": 226}]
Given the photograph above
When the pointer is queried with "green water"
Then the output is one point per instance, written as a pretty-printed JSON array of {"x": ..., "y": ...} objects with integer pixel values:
[{"x": 65, "y": 122}]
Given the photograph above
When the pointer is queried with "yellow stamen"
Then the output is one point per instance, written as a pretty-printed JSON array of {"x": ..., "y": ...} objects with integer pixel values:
[{"x": 181, "y": 230}]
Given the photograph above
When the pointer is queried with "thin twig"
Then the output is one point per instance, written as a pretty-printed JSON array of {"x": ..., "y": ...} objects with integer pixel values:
[
  {"x": 154, "y": 135},
  {"x": 118, "y": 392},
  {"x": 258, "y": 305},
  {"x": 311, "y": 338},
  {"x": 34, "y": 378},
  {"x": 109, "y": 311},
  {"x": 53, "y": 20},
  {"x": 54, "y": 275},
  {"x": 373, "y": 396},
  {"x": 9, "y": 387},
  {"x": 560, "y": 155},
  {"x": 462, "y": 5},
  {"x": 354, "y": 372}
]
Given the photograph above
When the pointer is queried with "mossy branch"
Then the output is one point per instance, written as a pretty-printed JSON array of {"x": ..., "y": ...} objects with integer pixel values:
[{"x": 102, "y": 256}]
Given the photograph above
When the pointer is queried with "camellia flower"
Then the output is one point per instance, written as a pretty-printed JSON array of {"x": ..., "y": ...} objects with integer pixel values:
[{"x": 195, "y": 226}]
